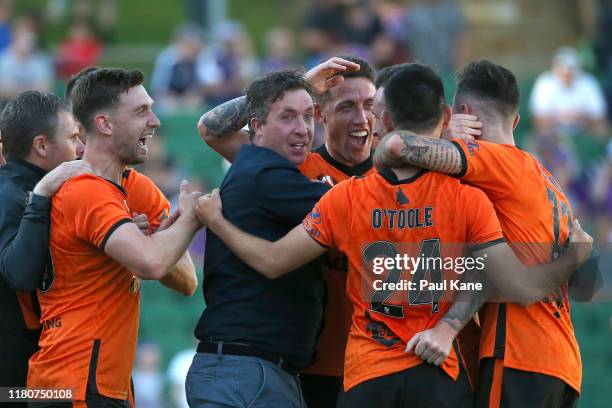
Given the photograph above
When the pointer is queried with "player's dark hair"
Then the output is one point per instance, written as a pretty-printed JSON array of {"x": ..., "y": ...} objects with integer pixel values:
[
  {"x": 30, "y": 114},
  {"x": 74, "y": 78},
  {"x": 365, "y": 71},
  {"x": 384, "y": 74},
  {"x": 100, "y": 89},
  {"x": 265, "y": 90},
  {"x": 491, "y": 82},
  {"x": 414, "y": 97}
]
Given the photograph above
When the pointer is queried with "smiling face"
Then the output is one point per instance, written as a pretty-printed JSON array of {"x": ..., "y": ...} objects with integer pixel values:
[
  {"x": 348, "y": 120},
  {"x": 288, "y": 128},
  {"x": 133, "y": 123},
  {"x": 65, "y": 145}
]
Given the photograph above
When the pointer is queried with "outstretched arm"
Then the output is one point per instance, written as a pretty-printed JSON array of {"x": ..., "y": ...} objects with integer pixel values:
[
  {"x": 272, "y": 259},
  {"x": 402, "y": 148}
]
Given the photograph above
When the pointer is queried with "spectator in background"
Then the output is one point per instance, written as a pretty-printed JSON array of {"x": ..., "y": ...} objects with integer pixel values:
[
  {"x": 601, "y": 199},
  {"x": 177, "y": 372},
  {"x": 6, "y": 10},
  {"x": 280, "y": 50},
  {"x": 147, "y": 377},
  {"x": 566, "y": 99},
  {"x": 79, "y": 50},
  {"x": 234, "y": 61},
  {"x": 181, "y": 72},
  {"x": 436, "y": 34},
  {"x": 23, "y": 66}
]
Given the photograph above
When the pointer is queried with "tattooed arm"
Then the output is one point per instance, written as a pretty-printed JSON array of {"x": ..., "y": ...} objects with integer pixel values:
[
  {"x": 221, "y": 128},
  {"x": 401, "y": 148}
]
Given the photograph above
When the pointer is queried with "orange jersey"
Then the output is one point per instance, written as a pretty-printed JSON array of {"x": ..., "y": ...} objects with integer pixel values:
[
  {"x": 319, "y": 165},
  {"x": 379, "y": 216},
  {"x": 143, "y": 197},
  {"x": 89, "y": 316},
  {"x": 535, "y": 214}
]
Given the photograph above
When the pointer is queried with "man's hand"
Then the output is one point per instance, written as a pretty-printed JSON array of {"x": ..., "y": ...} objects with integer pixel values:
[
  {"x": 209, "y": 208},
  {"x": 581, "y": 243},
  {"x": 462, "y": 126},
  {"x": 56, "y": 177},
  {"x": 325, "y": 75},
  {"x": 142, "y": 222},
  {"x": 187, "y": 203},
  {"x": 433, "y": 345}
]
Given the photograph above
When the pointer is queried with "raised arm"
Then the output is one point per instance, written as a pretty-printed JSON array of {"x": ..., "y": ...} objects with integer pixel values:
[
  {"x": 221, "y": 127},
  {"x": 272, "y": 259},
  {"x": 401, "y": 148}
]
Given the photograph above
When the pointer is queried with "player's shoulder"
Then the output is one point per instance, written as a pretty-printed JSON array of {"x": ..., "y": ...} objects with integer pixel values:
[
  {"x": 132, "y": 178},
  {"x": 88, "y": 185}
]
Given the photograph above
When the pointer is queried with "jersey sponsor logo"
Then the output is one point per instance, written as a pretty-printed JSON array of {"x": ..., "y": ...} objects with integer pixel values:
[
  {"x": 472, "y": 147},
  {"x": 402, "y": 218}
]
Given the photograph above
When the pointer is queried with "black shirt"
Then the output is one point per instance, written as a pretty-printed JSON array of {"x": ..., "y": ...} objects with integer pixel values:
[
  {"x": 24, "y": 250},
  {"x": 263, "y": 194}
]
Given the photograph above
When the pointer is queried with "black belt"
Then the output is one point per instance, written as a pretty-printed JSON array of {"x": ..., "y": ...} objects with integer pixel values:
[{"x": 247, "y": 351}]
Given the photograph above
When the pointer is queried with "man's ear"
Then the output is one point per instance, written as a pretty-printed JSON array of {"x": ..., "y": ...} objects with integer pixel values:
[
  {"x": 255, "y": 128},
  {"x": 103, "y": 124},
  {"x": 40, "y": 146},
  {"x": 446, "y": 116},
  {"x": 319, "y": 117},
  {"x": 387, "y": 121},
  {"x": 465, "y": 108},
  {"x": 517, "y": 119}
]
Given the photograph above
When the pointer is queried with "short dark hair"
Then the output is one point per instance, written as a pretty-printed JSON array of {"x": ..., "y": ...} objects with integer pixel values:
[
  {"x": 100, "y": 89},
  {"x": 486, "y": 80},
  {"x": 414, "y": 97},
  {"x": 265, "y": 90},
  {"x": 74, "y": 78},
  {"x": 365, "y": 71},
  {"x": 384, "y": 74},
  {"x": 30, "y": 114}
]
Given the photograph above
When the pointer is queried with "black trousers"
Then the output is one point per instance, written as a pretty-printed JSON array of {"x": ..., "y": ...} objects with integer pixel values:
[
  {"x": 320, "y": 391},
  {"x": 425, "y": 385},
  {"x": 509, "y": 388}
]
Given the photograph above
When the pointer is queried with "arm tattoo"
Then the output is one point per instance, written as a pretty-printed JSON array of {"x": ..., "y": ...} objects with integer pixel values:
[
  {"x": 226, "y": 119},
  {"x": 433, "y": 154},
  {"x": 468, "y": 302}
]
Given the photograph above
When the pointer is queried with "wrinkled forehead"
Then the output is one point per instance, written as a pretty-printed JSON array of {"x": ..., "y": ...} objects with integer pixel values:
[
  {"x": 296, "y": 100},
  {"x": 355, "y": 90}
]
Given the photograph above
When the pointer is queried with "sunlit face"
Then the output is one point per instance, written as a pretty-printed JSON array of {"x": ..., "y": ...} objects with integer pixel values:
[
  {"x": 66, "y": 145},
  {"x": 133, "y": 124},
  {"x": 380, "y": 130},
  {"x": 349, "y": 120},
  {"x": 288, "y": 128}
]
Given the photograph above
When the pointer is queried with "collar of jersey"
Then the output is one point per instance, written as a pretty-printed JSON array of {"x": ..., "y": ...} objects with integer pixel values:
[
  {"x": 391, "y": 177},
  {"x": 358, "y": 170}
]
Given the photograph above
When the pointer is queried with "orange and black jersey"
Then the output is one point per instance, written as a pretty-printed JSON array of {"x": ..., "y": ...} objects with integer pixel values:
[
  {"x": 144, "y": 197},
  {"x": 89, "y": 316},
  {"x": 319, "y": 165},
  {"x": 536, "y": 217},
  {"x": 379, "y": 216}
]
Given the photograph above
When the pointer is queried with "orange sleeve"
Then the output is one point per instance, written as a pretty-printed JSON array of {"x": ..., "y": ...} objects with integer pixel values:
[
  {"x": 97, "y": 207},
  {"x": 481, "y": 221},
  {"x": 144, "y": 197},
  {"x": 496, "y": 169},
  {"x": 330, "y": 214}
]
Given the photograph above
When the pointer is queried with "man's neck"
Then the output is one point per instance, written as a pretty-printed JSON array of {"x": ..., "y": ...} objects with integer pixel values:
[
  {"x": 346, "y": 161},
  {"x": 496, "y": 134},
  {"x": 104, "y": 162}
]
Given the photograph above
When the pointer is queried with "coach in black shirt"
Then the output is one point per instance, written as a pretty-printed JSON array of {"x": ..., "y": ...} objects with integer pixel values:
[
  {"x": 255, "y": 333},
  {"x": 38, "y": 134}
]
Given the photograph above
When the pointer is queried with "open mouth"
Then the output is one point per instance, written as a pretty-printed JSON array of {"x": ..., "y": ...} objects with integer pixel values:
[
  {"x": 298, "y": 146},
  {"x": 142, "y": 143},
  {"x": 359, "y": 137}
]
